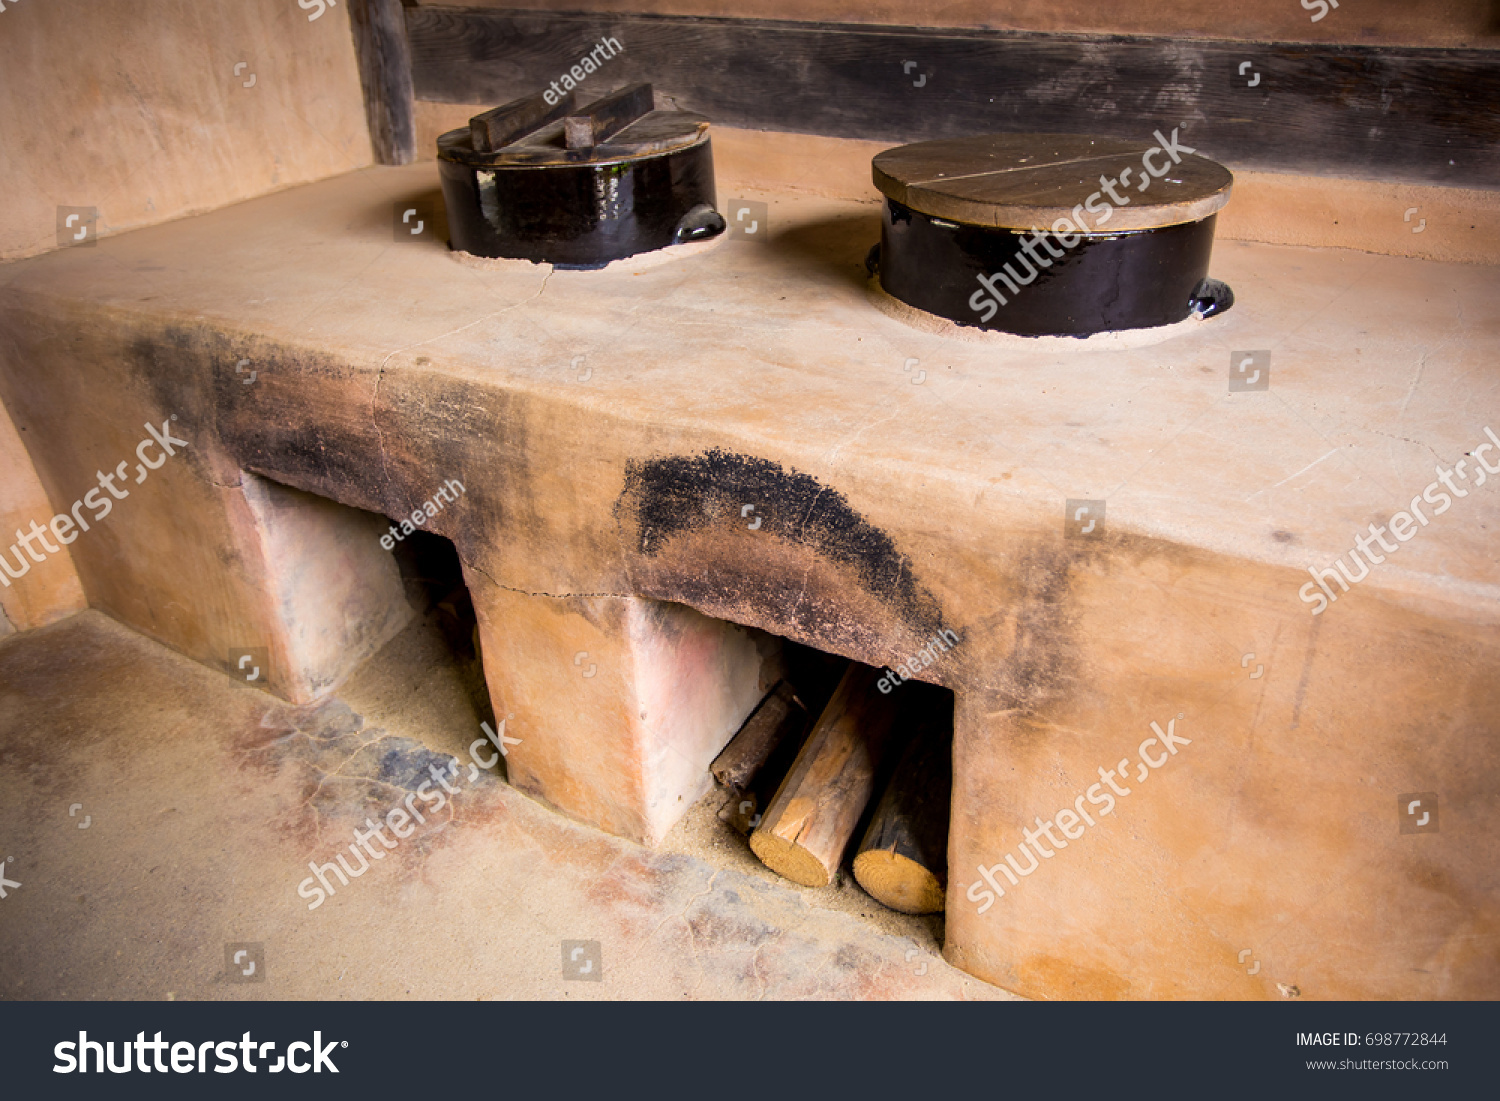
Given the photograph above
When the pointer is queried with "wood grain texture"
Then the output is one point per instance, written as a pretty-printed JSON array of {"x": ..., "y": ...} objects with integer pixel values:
[
  {"x": 1380, "y": 22},
  {"x": 604, "y": 118},
  {"x": 385, "y": 71},
  {"x": 1029, "y": 181},
  {"x": 902, "y": 860},
  {"x": 1418, "y": 115},
  {"x": 808, "y": 825},
  {"x": 499, "y": 126},
  {"x": 779, "y": 715}
]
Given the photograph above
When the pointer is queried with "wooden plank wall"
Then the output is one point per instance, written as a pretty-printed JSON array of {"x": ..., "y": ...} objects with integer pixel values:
[{"x": 1418, "y": 115}]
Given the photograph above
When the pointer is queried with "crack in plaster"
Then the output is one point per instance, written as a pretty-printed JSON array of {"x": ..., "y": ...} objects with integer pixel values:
[{"x": 554, "y": 596}]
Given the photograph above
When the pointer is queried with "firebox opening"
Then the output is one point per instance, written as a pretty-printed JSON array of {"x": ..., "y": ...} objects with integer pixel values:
[
  {"x": 839, "y": 782},
  {"x": 433, "y": 577}
]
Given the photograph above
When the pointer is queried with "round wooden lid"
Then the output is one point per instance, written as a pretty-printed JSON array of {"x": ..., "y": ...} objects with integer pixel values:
[{"x": 1029, "y": 181}]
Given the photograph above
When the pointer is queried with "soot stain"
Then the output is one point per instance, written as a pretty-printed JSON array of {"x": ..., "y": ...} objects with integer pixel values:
[
  {"x": 1041, "y": 662},
  {"x": 669, "y": 497},
  {"x": 232, "y": 420}
]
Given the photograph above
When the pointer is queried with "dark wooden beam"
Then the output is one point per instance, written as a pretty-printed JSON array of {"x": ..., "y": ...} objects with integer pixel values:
[
  {"x": 1418, "y": 115},
  {"x": 385, "y": 71}
]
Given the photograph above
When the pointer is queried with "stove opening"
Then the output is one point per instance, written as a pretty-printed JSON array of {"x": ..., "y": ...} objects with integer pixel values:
[{"x": 840, "y": 782}]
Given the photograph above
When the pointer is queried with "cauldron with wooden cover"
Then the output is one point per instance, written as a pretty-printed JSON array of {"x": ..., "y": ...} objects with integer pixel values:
[
  {"x": 1051, "y": 234},
  {"x": 578, "y": 187}
]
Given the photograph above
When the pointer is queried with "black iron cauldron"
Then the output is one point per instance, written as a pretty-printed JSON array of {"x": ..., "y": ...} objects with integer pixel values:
[
  {"x": 1051, "y": 234},
  {"x": 578, "y": 187}
]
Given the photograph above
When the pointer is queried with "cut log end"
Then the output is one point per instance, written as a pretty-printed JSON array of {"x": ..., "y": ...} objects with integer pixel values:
[
  {"x": 898, "y": 882},
  {"x": 807, "y": 827},
  {"x": 788, "y": 859},
  {"x": 903, "y": 860}
]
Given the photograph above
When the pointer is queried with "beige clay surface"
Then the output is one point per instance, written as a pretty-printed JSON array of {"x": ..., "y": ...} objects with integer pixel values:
[
  {"x": 611, "y": 427},
  {"x": 1380, "y": 365}
]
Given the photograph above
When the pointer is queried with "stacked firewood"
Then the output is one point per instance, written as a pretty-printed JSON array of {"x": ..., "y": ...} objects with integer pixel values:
[{"x": 827, "y": 755}]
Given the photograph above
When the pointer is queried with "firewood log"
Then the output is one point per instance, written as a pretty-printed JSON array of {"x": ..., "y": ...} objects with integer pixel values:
[
  {"x": 809, "y": 823},
  {"x": 903, "y": 860}
]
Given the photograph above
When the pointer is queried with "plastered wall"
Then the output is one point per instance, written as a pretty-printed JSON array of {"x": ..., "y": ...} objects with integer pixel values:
[
  {"x": 144, "y": 112},
  {"x": 137, "y": 109},
  {"x": 48, "y": 590}
]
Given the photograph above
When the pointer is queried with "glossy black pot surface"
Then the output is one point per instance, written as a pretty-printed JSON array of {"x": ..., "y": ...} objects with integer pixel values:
[
  {"x": 578, "y": 215},
  {"x": 989, "y": 278}
]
